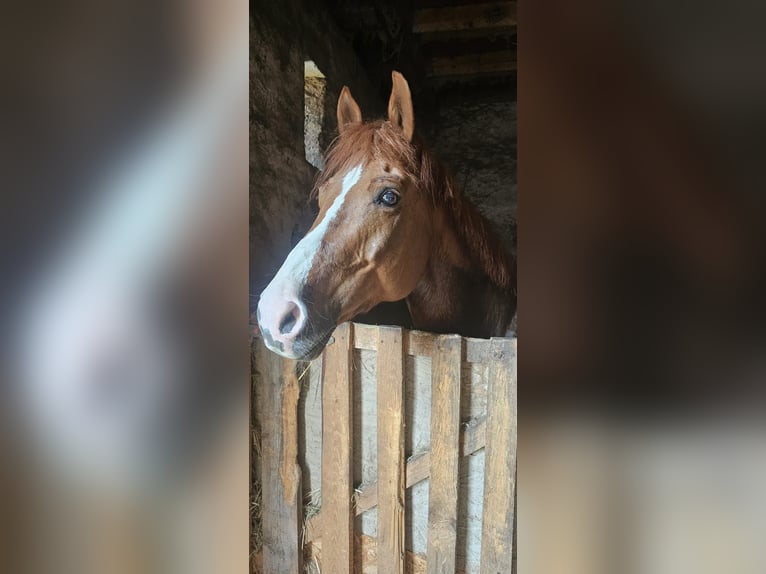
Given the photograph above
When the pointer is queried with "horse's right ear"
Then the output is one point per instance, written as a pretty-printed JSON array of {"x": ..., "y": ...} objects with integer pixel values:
[{"x": 348, "y": 110}]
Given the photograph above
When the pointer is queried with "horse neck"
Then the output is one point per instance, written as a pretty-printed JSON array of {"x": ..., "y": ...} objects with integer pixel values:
[{"x": 455, "y": 295}]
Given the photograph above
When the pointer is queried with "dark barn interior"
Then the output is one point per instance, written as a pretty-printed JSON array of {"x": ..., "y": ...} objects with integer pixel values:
[{"x": 459, "y": 58}]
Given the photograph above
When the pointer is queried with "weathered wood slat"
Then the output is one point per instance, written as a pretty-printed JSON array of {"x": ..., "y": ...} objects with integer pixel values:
[
  {"x": 500, "y": 62},
  {"x": 281, "y": 475},
  {"x": 500, "y": 457},
  {"x": 437, "y": 43},
  {"x": 337, "y": 466},
  {"x": 391, "y": 462},
  {"x": 490, "y": 15},
  {"x": 334, "y": 526},
  {"x": 445, "y": 433},
  {"x": 419, "y": 343},
  {"x": 418, "y": 469}
]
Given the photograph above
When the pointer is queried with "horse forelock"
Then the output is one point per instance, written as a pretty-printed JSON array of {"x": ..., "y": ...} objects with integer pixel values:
[{"x": 363, "y": 143}]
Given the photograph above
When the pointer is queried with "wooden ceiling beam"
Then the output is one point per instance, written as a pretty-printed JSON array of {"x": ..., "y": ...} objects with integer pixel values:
[
  {"x": 502, "y": 62},
  {"x": 460, "y": 47},
  {"x": 485, "y": 16}
]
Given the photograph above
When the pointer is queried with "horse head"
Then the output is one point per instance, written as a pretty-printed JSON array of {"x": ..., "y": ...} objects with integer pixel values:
[{"x": 370, "y": 241}]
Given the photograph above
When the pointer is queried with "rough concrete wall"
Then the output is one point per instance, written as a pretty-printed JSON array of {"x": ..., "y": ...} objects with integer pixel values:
[
  {"x": 476, "y": 139},
  {"x": 282, "y": 36}
]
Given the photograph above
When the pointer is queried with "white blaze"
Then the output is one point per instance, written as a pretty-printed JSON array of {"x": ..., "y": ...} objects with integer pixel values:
[{"x": 295, "y": 270}]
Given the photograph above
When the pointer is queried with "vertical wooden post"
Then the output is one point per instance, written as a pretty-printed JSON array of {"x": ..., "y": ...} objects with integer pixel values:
[
  {"x": 281, "y": 475},
  {"x": 500, "y": 460},
  {"x": 337, "y": 465},
  {"x": 445, "y": 449},
  {"x": 391, "y": 463}
]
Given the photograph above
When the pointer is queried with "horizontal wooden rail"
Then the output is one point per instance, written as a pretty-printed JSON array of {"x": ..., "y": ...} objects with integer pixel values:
[
  {"x": 419, "y": 343},
  {"x": 499, "y": 62}
]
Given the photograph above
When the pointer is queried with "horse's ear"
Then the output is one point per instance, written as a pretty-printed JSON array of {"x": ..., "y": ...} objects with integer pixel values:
[
  {"x": 400, "y": 106},
  {"x": 348, "y": 110}
]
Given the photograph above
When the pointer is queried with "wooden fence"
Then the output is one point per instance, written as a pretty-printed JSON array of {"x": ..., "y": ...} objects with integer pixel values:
[{"x": 330, "y": 535}]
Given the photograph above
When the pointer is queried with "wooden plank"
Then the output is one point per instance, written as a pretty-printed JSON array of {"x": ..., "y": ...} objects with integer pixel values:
[
  {"x": 419, "y": 343},
  {"x": 449, "y": 47},
  {"x": 487, "y": 16},
  {"x": 421, "y": 4},
  {"x": 281, "y": 475},
  {"x": 337, "y": 467},
  {"x": 500, "y": 460},
  {"x": 391, "y": 462},
  {"x": 434, "y": 43},
  {"x": 500, "y": 62},
  {"x": 445, "y": 434}
]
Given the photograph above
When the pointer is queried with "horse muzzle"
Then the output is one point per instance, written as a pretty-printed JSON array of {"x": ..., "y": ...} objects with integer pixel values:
[{"x": 288, "y": 327}]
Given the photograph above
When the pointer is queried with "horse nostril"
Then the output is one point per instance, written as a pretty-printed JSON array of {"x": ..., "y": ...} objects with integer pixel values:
[{"x": 289, "y": 320}]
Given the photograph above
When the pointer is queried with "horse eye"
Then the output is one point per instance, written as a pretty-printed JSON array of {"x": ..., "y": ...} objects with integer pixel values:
[{"x": 389, "y": 197}]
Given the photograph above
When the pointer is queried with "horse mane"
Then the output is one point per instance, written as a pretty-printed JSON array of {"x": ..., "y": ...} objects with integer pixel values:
[{"x": 381, "y": 140}]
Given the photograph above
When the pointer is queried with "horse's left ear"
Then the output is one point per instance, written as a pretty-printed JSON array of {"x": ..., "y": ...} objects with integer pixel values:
[{"x": 400, "y": 106}]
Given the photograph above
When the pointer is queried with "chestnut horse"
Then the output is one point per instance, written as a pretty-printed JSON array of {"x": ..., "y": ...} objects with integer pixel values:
[{"x": 391, "y": 226}]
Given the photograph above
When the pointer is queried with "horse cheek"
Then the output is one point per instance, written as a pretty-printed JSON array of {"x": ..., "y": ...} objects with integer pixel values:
[{"x": 411, "y": 269}]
